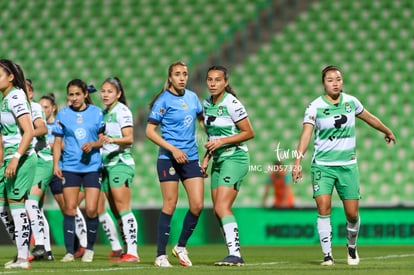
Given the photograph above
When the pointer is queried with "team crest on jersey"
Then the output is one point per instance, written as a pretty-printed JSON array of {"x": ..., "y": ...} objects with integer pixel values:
[
  {"x": 79, "y": 119},
  {"x": 171, "y": 171},
  {"x": 220, "y": 111},
  {"x": 316, "y": 187},
  {"x": 161, "y": 111},
  {"x": 184, "y": 105},
  {"x": 348, "y": 108}
]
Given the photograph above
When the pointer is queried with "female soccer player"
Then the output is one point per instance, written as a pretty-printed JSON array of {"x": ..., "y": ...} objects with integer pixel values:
[
  {"x": 80, "y": 127},
  {"x": 175, "y": 109},
  {"x": 334, "y": 163},
  {"x": 19, "y": 158},
  {"x": 119, "y": 166},
  {"x": 228, "y": 127}
]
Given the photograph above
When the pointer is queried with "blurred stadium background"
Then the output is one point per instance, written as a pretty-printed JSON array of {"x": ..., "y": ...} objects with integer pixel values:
[{"x": 275, "y": 51}]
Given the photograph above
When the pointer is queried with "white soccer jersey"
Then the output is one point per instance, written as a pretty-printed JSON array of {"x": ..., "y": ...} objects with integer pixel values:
[
  {"x": 116, "y": 119},
  {"x": 221, "y": 118},
  {"x": 334, "y": 124},
  {"x": 14, "y": 105}
]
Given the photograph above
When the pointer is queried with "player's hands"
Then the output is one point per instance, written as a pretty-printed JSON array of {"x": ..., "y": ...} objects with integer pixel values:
[
  {"x": 179, "y": 156},
  {"x": 297, "y": 173},
  {"x": 204, "y": 166},
  {"x": 213, "y": 144},
  {"x": 11, "y": 168},
  {"x": 390, "y": 137}
]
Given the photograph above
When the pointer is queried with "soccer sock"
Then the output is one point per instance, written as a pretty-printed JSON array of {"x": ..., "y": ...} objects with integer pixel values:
[
  {"x": 164, "y": 222},
  {"x": 110, "y": 230},
  {"x": 46, "y": 234},
  {"x": 130, "y": 229},
  {"x": 189, "y": 224},
  {"x": 7, "y": 220},
  {"x": 92, "y": 229},
  {"x": 80, "y": 228},
  {"x": 325, "y": 234},
  {"x": 69, "y": 233},
  {"x": 21, "y": 229},
  {"x": 353, "y": 230},
  {"x": 36, "y": 220},
  {"x": 231, "y": 234}
]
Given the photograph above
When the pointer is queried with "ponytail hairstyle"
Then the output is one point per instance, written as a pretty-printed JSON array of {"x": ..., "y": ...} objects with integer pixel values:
[
  {"x": 167, "y": 83},
  {"x": 12, "y": 68},
  {"x": 115, "y": 81},
  {"x": 52, "y": 99},
  {"x": 228, "y": 88},
  {"x": 85, "y": 88}
]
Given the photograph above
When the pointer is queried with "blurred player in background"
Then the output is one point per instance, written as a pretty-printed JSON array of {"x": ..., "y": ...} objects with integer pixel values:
[
  {"x": 280, "y": 181},
  {"x": 334, "y": 162}
]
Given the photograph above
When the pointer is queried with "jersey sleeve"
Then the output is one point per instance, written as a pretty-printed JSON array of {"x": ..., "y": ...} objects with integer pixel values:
[
  {"x": 101, "y": 123},
  {"x": 125, "y": 118},
  {"x": 57, "y": 130},
  {"x": 358, "y": 106},
  {"x": 236, "y": 110},
  {"x": 19, "y": 105},
  {"x": 36, "y": 111},
  {"x": 310, "y": 114},
  {"x": 199, "y": 109},
  {"x": 158, "y": 111}
]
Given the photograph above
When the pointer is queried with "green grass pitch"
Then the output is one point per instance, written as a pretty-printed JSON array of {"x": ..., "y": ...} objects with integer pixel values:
[{"x": 378, "y": 260}]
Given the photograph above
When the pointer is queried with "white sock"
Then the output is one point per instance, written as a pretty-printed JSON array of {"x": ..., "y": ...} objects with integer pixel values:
[
  {"x": 7, "y": 220},
  {"x": 231, "y": 234},
  {"x": 48, "y": 247},
  {"x": 36, "y": 221},
  {"x": 325, "y": 234},
  {"x": 22, "y": 230},
  {"x": 81, "y": 228},
  {"x": 110, "y": 230},
  {"x": 130, "y": 230},
  {"x": 353, "y": 230}
]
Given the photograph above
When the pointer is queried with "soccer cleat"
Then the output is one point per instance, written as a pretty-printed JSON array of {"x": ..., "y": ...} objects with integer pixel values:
[
  {"x": 20, "y": 263},
  {"x": 79, "y": 253},
  {"x": 182, "y": 254},
  {"x": 115, "y": 254},
  {"x": 162, "y": 261},
  {"x": 88, "y": 256},
  {"x": 230, "y": 260},
  {"x": 68, "y": 258},
  {"x": 38, "y": 251},
  {"x": 127, "y": 258},
  {"x": 328, "y": 261},
  {"x": 49, "y": 256},
  {"x": 353, "y": 258},
  {"x": 11, "y": 261}
]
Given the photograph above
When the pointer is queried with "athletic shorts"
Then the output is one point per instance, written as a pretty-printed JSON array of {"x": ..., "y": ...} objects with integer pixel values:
[
  {"x": 44, "y": 173},
  {"x": 344, "y": 178},
  {"x": 19, "y": 186},
  {"x": 116, "y": 176},
  {"x": 56, "y": 186},
  {"x": 88, "y": 179},
  {"x": 170, "y": 170},
  {"x": 230, "y": 170}
]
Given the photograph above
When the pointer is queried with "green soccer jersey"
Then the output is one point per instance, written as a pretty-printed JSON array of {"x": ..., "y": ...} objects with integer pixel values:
[
  {"x": 40, "y": 143},
  {"x": 13, "y": 105},
  {"x": 220, "y": 121},
  {"x": 334, "y": 124},
  {"x": 115, "y": 119}
]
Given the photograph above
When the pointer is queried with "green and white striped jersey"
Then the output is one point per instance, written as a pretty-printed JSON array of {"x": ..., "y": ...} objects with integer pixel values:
[
  {"x": 220, "y": 121},
  {"x": 335, "y": 142},
  {"x": 13, "y": 105},
  {"x": 116, "y": 119}
]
